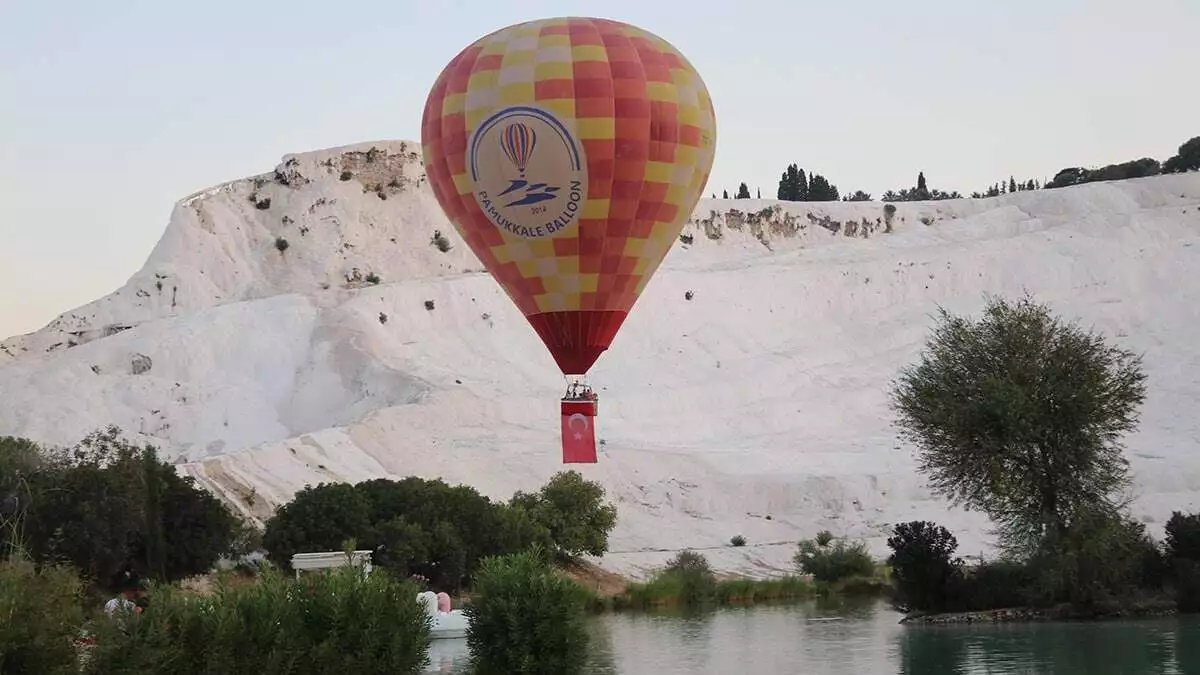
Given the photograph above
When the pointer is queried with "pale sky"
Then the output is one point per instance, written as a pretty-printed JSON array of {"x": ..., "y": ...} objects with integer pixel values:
[{"x": 112, "y": 111}]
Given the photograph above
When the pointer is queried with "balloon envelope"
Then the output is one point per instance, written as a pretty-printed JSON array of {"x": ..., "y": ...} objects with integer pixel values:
[{"x": 569, "y": 153}]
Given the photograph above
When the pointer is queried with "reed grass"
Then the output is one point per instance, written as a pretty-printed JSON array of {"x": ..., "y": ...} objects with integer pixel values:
[{"x": 335, "y": 621}]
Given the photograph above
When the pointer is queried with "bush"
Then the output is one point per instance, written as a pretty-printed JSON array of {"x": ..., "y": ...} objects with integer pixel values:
[
  {"x": 923, "y": 565},
  {"x": 1102, "y": 557},
  {"x": 41, "y": 616},
  {"x": 440, "y": 241},
  {"x": 335, "y": 621},
  {"x": 993, "y": 585},
  {"x": 690, "y": 577},
  {"x": 737, "y": 540},
  {"x": 525, "y": 618},
  {"x": 831, "y": 561},
  {"x": 281, "y": 244}
]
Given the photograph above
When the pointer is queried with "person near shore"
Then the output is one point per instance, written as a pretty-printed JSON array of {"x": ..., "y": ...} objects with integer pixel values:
[{"x": 127, "y": 601}]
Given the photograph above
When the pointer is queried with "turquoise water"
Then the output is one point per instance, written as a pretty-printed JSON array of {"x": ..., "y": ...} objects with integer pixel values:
[{"x": 864, "y": 639}]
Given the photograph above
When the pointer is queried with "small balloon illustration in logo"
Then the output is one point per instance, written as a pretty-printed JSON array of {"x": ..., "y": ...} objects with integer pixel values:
[{"x": 518, "y": 142}]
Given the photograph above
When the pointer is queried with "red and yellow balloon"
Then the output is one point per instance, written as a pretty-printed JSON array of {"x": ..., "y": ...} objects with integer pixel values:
[{"x": 569, "y": 153}]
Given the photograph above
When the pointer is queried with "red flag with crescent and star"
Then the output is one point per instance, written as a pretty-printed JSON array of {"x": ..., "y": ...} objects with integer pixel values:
[{"x": 579, "y": 432}]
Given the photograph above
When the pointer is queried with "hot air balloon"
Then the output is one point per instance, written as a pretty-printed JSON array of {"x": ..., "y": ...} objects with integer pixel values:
[{"x": 569, "y": 153}]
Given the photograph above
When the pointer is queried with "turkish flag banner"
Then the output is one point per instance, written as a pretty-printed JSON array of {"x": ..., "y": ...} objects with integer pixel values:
[{"x": 579, "y": 431}]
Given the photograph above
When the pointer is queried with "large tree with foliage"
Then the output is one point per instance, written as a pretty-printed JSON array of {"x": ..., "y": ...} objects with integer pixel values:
[
  {"x": 574, "y": 512},
  {"x": 1020, "y": 415},
  {"x": 793, "y": 185},
  {"x": 1188, "y": 158},
  {"x": 440, "y": 531},
  {"x": 111, "y": 508},
  {"x": 821, "y": 190},
  {"x": 923, "y": 564}
]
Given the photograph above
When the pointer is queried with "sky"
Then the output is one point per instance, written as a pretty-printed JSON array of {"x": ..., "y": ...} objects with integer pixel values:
[{"x": 110, "y": 112}]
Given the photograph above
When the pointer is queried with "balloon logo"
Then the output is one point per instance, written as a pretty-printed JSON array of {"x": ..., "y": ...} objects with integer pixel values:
[
  {"x": 518, "y": 142},
  {"x": 569, "y": 153}
]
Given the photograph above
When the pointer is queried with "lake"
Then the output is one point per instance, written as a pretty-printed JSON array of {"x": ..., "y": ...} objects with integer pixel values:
[{"x": 864, "y": 638}]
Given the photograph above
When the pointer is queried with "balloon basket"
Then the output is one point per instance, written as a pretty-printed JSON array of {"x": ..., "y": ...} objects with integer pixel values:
[{"x": 579, "y": 429}]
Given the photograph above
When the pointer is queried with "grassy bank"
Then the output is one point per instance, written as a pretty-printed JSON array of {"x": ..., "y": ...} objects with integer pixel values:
[
  {"x": 687, "y": 581},
  {"x": 335, "y": 620}
]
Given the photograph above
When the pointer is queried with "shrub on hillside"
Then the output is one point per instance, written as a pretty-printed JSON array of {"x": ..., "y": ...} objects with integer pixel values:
[
  {"x": 525, "y": 618},
  {"x": 828, "y": 560},
  {"x": 440, "y": 241},
  {"x": 41, "y": 616},
  {"x": 923, "y": 565},
  {"x": 339, "y": 620}
]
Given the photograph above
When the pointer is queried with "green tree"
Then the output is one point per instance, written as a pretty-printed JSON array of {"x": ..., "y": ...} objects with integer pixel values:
[
  {"x": 821, "y": 190},
  {"x": 420, "y": 526},
  {"x": 1019, "y": 415},
  {"x": 924, "y": 568},
  {"x": 1183, "y": 536},
  {"x": 574, "y": 513},
  {"x": 793, "y": 185},
  {"x": 725, "y": 194},
  {"x": 1188, "y": 158},
  {"x": 111, "y": 508},
  {"x": 321, "y": 518},
  {"x": 743, "y": 192}
]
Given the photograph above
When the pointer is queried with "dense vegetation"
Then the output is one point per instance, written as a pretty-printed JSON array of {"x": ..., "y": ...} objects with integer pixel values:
[
  {"x": 437, "y": 531},
  {"x": 797, "y": 186},
  {"x": 1020, "y": 415},
  {"x": 105, "y": 512},
  {"x": 111, "y": 510},
  {"x": 525, "y": 618},
  {"x": 338, "y": 621},
  {"x": 823, "y": 565}
]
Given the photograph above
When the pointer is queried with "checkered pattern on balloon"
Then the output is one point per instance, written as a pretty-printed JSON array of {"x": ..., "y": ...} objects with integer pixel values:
[{"x": 569, "y": 153}]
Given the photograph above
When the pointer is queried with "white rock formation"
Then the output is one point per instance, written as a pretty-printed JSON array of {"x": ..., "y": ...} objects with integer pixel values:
[{"x": 279, "y": 335}]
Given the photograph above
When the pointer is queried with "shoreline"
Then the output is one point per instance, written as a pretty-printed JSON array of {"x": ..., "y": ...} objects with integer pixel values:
[{"x": 1113, "y": 611}]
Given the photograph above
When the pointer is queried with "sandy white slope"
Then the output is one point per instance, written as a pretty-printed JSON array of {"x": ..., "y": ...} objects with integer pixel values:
[{"x": 757, "y": 407}]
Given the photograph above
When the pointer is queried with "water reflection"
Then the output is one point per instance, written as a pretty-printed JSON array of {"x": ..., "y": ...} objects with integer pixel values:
[
  {"x": 1153, "y": 647},
  {"x": 860, "y": 638}
]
